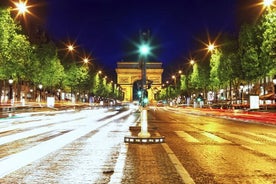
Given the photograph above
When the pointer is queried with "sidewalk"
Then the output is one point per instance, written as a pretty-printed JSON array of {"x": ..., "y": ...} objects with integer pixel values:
[{"x": 8, "y": 110}]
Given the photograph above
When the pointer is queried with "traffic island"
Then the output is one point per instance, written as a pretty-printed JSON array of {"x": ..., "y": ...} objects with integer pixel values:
[
  {"x": 140, "y": 140},
  {"x": 144, "y": 136}
]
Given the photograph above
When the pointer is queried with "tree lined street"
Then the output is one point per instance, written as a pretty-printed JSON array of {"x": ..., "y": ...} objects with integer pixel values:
[
  {"x": 88, "y": 147},
  {"x": 64, "y": 120}
]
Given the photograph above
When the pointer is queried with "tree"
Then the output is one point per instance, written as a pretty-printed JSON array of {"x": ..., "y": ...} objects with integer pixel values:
[
  {"x": 214, "y": 72},
  {"x": 249, "y": 54},
  {"x": 229, "y": 66},
  {"x": 15, "y": 51},
  {"x": 49, "y": 72},
  {"x": 76, "y": 77},
  {"x": 267, "y": 36},
  {"x": 195, "y": 77}
]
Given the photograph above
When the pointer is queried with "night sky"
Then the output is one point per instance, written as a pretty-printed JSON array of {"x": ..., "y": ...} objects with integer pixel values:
[{"x": 109, "y": 29}]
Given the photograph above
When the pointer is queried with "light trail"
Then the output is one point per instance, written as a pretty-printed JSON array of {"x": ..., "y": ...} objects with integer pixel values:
[{"x": 37, "y": 152}]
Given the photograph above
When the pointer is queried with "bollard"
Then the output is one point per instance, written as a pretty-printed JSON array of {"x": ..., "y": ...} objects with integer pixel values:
[{"x": 144, "y": 125}]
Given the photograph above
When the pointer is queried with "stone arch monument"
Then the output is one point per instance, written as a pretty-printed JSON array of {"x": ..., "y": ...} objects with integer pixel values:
[{"x": 130, "y": 72}]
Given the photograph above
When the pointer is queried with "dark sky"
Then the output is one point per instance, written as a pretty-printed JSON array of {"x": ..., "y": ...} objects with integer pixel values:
[{"x": 108, "y": 29}]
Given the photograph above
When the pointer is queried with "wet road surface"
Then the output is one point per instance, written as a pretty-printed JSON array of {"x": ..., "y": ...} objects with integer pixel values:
[
  {"x": 87, "y": 147},
  {"x": 71, "y": 147},
  {"x": 216, "y": 150}
]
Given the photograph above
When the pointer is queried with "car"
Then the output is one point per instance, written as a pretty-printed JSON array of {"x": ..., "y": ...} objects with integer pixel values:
[{"x": 160, "y": 104}]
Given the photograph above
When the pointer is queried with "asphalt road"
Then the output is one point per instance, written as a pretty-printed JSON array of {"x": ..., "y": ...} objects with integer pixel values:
[
  {"x": 86, "y": 146},
  {"x": 215, "y": 150},
  {"x": 63, "y": 147}
]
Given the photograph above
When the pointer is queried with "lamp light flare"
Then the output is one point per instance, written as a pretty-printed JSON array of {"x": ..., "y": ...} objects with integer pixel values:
[
  {"x": 85, "y": 60},
  {"x": 211, "y": 47},
  {"x": 21, "y": 7},
  {"x": 144, "y": 49},
  {"x": 268, "y": 2},
  {"x": 70, "y": 47}
]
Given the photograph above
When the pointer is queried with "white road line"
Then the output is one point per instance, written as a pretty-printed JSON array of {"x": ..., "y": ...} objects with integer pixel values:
[
  {"x": 262, "y": 136},
  {"x": 215, "y": 138},
  {"x": 242, "y": 138},
  {"x": 271, "y": 134},
  {"x": 179, "y": 167},
  {"x": 120, "y": 165},
  {"x": 187, "y": 137}
]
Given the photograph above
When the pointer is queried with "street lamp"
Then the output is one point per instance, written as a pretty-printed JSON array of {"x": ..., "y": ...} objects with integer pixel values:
[
  {"x": 144, "y": 50},
  {"x": 10, "y": 94},
  {"x": 211, "y": 47},
  {"x": 85, "y": 60},
  {"x": 241, "y": 87},
  {"x": 22, "y": 8},
  {"x": 40, "y": 89},
  {"x": 70, "y": 48},
  {"x": 267, "y": 3},
  {"x": 274, "y": 82},
  {"x": 174, "y": 79}
]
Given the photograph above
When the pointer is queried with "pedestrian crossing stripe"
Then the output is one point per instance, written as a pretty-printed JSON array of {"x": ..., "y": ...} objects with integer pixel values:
[
  {"x": 189, "y": 138},
  {"x": 215, "y": 138},
  {"x": 241, "y": 137},
  {"x": 186, "y": 136},
  {"x": 265, "y": 137}
]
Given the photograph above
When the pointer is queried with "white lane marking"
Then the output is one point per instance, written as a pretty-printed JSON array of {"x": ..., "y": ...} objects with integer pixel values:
[
  {"x": 37, "y": 152},
  {"x": 215, "y": 138},
  {"x": 179, "y": 167},
  {"x": 242, "y": 138},
  {"x": 120, "y": 165},
  {"x": 37, "y": 131},
  {"x": 118, "y": 174},
  {"x": 187, "y": 137},
  {"x": 271, "y": 139}
]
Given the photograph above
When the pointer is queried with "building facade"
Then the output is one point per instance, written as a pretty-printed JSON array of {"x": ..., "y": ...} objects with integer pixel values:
[{"x": 129, "y": 73}]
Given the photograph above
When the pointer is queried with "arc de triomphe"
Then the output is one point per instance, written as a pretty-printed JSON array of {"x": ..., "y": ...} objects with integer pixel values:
[{"x": 130, "y": 72}]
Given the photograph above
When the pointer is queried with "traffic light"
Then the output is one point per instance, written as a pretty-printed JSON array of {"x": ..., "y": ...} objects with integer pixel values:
[
  {"x": 145, "y": 98},
  {"x": 199, "y": 98},
  {"x": 139, "y": 93}
]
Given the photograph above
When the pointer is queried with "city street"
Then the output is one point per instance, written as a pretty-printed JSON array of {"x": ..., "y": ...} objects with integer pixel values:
[
  {"x": 163, "y": 95},
  {"x": 216, "y": 150},
  {"x": 87, "y": 146}
]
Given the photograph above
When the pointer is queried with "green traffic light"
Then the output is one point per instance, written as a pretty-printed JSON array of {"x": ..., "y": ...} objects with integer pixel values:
[
  {"x": 139, "y": 93},
  {"x": 145, "y": 100}
]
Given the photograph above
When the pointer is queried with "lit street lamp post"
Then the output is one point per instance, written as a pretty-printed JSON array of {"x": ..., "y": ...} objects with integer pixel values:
[
  {"x": 274, "y": 82},
  {"x": 10, "y": 93},
  {"x": 144, "y": 50},
  {"x": 40, "y": 89},
  {"x": 241, "y": 87},
  {"x": 144, "y": 136}
]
